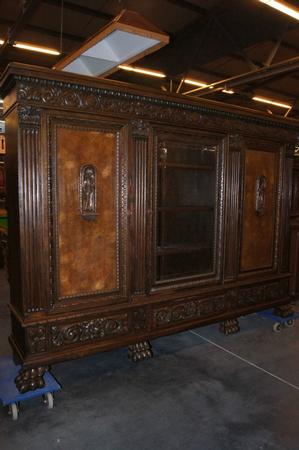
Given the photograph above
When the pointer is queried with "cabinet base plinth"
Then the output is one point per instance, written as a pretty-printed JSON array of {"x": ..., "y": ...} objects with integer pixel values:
[
  {"x": 229, "y": 326},
  {"x": 140, "y": 351},
  {"x": 30, "y": 379}
]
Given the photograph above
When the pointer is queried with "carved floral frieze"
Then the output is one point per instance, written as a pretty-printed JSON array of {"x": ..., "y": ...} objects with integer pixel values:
[
  {"x": 88, "y": 330},
  {"x": 232, "y": 300},
  {"x": 113, "y": 101}
]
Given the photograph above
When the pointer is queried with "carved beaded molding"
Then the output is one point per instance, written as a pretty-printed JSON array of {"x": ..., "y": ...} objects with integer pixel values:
[{"x": 53, "y": 93}]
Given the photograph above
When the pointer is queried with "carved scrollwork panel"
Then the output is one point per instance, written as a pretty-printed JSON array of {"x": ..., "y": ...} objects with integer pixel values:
[{"x": 88, "y": 330}]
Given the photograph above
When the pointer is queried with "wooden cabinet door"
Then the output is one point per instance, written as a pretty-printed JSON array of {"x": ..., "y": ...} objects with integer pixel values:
[
  {"x": 261, "y": 212},
  {"x": 88, "y": 216},
  {"x": 188, "y": 207}
]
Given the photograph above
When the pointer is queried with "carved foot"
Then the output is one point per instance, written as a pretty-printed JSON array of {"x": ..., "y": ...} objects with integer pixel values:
[
  {"x": 140, "y": 351},
  {"x": 284, "y": 310},
  {"x": 30, "y": 379},
  {"x": 229, "y": 326}
]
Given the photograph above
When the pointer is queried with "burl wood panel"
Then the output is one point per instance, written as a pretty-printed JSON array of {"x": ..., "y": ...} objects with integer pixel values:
[
  {"x": 87, "y": 249},
  {"x": 258, "y": 230}
]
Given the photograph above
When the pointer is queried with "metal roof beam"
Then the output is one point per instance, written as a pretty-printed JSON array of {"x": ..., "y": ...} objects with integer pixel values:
[
  {"x": 28, "y": 9},
  {"x": 45, "y": 31},
  {"x": 80, "y": 9}
]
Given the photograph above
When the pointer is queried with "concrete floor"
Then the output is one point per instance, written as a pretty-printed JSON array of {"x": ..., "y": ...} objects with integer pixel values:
[{"x": 201, "y": 391}]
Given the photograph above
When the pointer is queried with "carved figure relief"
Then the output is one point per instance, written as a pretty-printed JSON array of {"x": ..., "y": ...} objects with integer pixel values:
[
  {"x": 88, "y": 192},
  {"x": 260, "y": 195}
]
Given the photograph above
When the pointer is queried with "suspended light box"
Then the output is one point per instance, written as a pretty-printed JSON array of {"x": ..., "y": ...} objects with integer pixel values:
[{"x": 125, "y": 39}]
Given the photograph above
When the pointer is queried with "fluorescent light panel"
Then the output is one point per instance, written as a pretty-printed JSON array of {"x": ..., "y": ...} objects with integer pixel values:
[
  {"x": 35, "y": 48},
  {"x": 125, "y": 39},
  {"x": 282, "y": 7},
  {"x": 152, "y": 73},
  {"x": 271, "y": 102}
]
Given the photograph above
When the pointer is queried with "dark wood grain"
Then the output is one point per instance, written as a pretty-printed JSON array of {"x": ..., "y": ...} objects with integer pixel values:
[{"x": 84, "y": 283}]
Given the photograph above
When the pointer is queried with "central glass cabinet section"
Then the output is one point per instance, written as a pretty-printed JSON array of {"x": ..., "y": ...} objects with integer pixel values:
[{"x": 188, "y": 202}]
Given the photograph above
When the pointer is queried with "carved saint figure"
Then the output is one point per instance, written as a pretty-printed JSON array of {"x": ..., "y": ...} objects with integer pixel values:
[
  {"x": 88, "y": 190},
  {"x": 260, "y": 195}
]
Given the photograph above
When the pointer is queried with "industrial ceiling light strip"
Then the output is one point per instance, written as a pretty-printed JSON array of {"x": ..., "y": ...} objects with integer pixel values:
[
  {"x": 35, "y": 48},
  {"x": 271, "y": 102},
  {"x": 195, "y": 82},
  {"x": 282, "y": 7},
  {"x": 152, "y": 73}
]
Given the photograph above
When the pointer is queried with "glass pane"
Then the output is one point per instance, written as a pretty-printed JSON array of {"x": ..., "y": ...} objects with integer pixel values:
[
  {"x": 185, "y": 187},
  {"x": 185, "y": 264},
  {"x": 185, "y": 206},
  {"x": 181, "y": 228}
]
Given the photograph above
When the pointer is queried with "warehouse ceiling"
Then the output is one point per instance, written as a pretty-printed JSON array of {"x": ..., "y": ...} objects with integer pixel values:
[{"x": 210, "y": 41}]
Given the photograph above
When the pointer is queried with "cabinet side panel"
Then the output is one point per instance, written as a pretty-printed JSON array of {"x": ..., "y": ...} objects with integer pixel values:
[
  {"x": 259, "y": 210},
  {"x": 87, "y": 244}
]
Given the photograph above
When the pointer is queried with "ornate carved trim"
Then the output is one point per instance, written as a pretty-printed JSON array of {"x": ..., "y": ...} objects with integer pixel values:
[
  {"x": 260, "y": 195},
  {"x": 140, "y": 351},
  {"x": 233, "y": 300},
  {"x": 71, "y": 95},
  {"x": 37, "y": 339},
  {"x": 230, "y": 326},
  {"x": 140, "y": 128},
  {"x": 88, "y": 192},
  {"x": 29, "y": 115},
  {"x": 88, "y": 330},
  {"x": 30, "y": 379},
  {"x": 140, "y": 319},
  {"x": 235, "y": 142}
]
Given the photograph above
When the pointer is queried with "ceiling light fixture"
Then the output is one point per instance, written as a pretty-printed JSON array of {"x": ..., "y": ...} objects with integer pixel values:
[
  {"x": 152, "y": 73},
  {"x": 1, "y": 42},
  {"x": 128, "y": 37},
  {"x": 35, "y": 48},
  {"x": 282, "y": 7},
  {"x": 228, "y": 91},
  {"x": 195, "y": 82},
  {"x": 271, "y": 102}
]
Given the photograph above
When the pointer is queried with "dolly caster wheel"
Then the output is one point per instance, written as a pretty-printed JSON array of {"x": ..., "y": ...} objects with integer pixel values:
[
  {"x": 290, "y": 323},
  {"x": 277, "y": 327},
  {"x": 13, "y": 410},
  {"x": 48, "y": 400}
]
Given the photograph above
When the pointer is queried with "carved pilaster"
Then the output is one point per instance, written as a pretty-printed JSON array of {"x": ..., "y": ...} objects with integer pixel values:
[
  {"x": 31, "y": 185},
  {"x": 140, "y": 351},
  {"x": 140, "y": 130},
  {"x": 30, "y": 379},
  {"x": 233, "y": 205},
  {"x": 229, "y": 326}
]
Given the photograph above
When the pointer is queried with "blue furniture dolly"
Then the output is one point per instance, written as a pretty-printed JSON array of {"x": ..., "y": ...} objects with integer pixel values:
[
  {"x": 279, "y": 321},
  {"x": 11, "y": 397}
]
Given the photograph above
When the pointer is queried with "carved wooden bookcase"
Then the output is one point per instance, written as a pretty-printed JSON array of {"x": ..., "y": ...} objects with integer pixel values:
[{"x": 133, "y": 215}]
